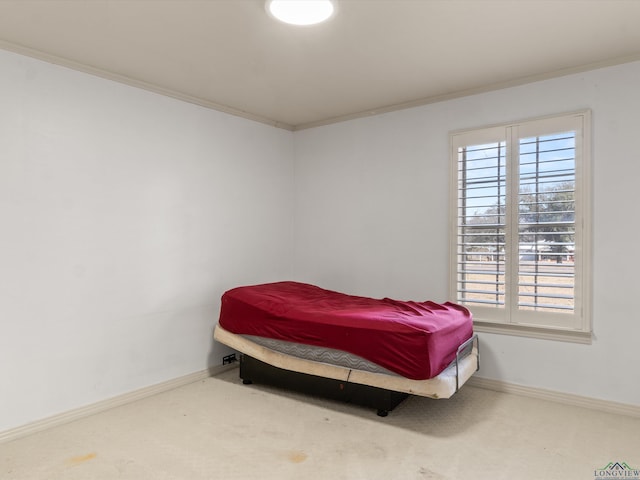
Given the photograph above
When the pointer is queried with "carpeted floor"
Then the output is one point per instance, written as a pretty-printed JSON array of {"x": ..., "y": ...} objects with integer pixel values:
[{"x": 221, "y": 429}]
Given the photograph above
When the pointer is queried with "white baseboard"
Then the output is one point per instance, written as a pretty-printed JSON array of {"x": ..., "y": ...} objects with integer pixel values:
[
  {"x": 559, "y": 397},
  {"x": 486, "y": 383},
  {"x": 87, "y": 410}
]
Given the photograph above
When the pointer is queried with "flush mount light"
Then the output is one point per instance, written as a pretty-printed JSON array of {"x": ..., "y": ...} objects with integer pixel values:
[{"x": 301, "y": 12}]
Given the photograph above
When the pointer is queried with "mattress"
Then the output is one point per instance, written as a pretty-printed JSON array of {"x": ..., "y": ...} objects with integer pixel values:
[
  {"x": 442, "y": 386},
  {"x": 319, "y": 354},
  {"x": 416, "y": 340}
]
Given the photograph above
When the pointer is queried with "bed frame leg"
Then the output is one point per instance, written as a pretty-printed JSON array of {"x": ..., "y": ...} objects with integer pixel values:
[
  {"x": 246, "y": 381},
  {"x": 382, "y": 413}
]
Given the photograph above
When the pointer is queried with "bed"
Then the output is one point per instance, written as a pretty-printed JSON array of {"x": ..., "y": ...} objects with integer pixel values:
[{"x": 373, "y": 352}]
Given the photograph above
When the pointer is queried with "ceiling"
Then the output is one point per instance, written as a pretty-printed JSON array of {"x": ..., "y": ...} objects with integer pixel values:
[{"x": 373, "y": 56}]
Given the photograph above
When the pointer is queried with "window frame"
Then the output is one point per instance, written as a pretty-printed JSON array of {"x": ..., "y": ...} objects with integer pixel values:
[{"x": 574, "y": 327}]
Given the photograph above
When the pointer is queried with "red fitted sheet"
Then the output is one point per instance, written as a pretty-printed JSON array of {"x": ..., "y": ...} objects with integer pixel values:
[{"x": 414, "y": 339}]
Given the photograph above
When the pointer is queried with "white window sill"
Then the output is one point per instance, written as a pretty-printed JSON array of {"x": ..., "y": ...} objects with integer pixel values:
[{"x": 572, "y": 336}]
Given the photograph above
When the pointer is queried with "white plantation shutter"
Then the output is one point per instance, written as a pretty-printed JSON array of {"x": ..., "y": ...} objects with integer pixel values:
[{"x": 519, "y": 237}]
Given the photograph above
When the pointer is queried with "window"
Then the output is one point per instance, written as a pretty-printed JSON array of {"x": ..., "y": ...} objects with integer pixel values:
[{"x": 520, "y": 231}]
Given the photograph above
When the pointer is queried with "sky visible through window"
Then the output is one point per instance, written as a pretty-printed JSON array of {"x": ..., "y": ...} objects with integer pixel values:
[{"x": 484, "y": 169}]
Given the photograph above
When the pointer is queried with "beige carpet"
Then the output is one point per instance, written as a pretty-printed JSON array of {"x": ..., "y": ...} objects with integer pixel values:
[{"x": 221, "y": 429}]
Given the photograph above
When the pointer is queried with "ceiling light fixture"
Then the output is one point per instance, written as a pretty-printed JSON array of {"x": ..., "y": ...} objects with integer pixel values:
[{"x": 301, "y": 12}]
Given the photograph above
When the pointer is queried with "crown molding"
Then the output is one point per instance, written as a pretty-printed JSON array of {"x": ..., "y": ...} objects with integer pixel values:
[
  {"x": 151, "y": 87},
  {"x": 54, "y": 59}
]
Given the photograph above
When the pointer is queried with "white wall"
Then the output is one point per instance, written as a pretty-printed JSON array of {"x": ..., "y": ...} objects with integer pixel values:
[
  {"x": 124, "y": 215},
  {"x": 372, "y": 218}
]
